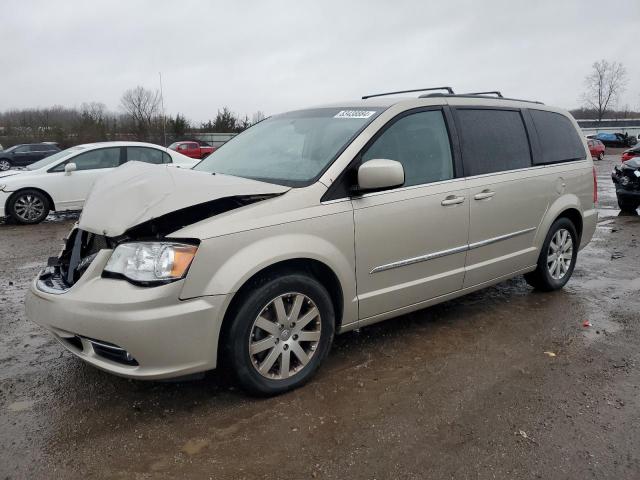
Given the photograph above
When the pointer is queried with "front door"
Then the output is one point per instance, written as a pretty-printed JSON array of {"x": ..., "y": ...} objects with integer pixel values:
[
  {"x": 71, "y": 189},
  {"x": 22, "y": 156},
  {"x": 410, "y": 242}
]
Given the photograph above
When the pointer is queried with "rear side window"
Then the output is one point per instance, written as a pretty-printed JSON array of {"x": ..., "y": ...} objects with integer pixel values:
[
  {"x": 147, "y": 155},
  {"x": 559, "y": 139},
  {"x": 493, "y": 141}
]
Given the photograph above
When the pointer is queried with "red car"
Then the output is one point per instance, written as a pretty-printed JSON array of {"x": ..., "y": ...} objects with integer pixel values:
[
  {"x": 631, "y": 153},
  {"x": 192, "y": 149},
  {"x": 596, "y": 147}
]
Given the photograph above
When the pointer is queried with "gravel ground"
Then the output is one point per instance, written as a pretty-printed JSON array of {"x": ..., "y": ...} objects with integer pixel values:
[{"x": 503, "y": 383}]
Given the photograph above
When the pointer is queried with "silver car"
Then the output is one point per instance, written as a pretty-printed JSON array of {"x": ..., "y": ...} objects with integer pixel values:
[{"x": 316, "y": 222}]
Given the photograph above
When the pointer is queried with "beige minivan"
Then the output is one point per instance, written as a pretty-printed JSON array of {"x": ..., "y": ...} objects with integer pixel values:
[{"x": 315, "y": 222}]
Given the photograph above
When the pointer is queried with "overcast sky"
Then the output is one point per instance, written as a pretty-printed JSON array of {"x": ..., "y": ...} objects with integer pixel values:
[{"x": 279, "y": 55}]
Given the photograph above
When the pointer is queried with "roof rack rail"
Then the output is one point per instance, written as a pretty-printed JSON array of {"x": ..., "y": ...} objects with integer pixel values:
[
  {"x": 478, "y": 95},
  {"x": 495, "y": 92},
  {"x": 448, "y": 89}
]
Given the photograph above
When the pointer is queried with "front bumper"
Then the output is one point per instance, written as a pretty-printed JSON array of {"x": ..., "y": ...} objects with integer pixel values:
[
  {"x": 589, "y": 224},
  {"x": 167, "y": 337},
  {"x": 627, "y": 195}
]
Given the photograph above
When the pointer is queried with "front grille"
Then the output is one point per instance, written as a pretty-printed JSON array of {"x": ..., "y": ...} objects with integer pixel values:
[{"x": 80, "y": 249}]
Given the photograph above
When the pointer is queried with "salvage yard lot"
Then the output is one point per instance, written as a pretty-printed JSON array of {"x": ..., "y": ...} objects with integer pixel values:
[{"x": 503, "y": 383}]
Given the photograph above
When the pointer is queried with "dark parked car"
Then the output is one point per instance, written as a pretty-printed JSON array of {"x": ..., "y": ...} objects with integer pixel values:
[
  {"x": 25, "y": 154},
  {"x": 627, "y": 180},
  {"x": 617, "y": 139}
]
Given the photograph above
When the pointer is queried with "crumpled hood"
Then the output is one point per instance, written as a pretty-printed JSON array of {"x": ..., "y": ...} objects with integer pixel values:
[{"x": 137, "y": 192}]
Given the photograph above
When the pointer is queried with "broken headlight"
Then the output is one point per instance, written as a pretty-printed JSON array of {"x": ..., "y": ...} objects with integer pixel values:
[{"x": 151, "y": 262}]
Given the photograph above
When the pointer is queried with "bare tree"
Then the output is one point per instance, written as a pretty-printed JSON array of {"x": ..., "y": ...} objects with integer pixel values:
[
  {"x": 94, "y": 111},
  {"x": 257, "y": 117},
  {"x": 143, "y": 107},
  {"x": 604, "y": 85}
]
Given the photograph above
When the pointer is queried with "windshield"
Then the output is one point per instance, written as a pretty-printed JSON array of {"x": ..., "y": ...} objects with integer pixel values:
[
  {"x": 53, "y": 158},
  {"x": 292, "y": 148}
]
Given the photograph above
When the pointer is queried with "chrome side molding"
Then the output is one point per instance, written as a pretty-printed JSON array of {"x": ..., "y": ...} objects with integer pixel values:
[
  {"x": 507, "y": 236},
  {"x": 421, "y": 258},
  {"x": 449, "y": 251}
]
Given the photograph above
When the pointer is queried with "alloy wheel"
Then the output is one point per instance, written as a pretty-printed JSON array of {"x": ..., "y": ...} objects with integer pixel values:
[
  {"x": 4, "y": 165},
  {"x": 29, "y": 207},
  {"x": 560, "y": 254},
  {"x": 284, "y": 336}
]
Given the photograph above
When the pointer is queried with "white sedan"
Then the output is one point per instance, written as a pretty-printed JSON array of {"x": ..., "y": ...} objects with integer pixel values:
[{"x": 62, "y": 181}]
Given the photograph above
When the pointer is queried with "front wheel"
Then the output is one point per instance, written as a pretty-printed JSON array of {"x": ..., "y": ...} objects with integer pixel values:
[
  {"x": 28, "y": 206},
  {"x": 280, "y": 334},
  {"x": 4, "y": 164},
  {"x": 557, "y": 257},
  {"x": 601, "y": 156},
  {"x": 627, "y": 206}
]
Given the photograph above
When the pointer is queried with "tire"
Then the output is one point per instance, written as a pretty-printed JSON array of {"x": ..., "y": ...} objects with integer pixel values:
[
  {"x": 601, "y": 156},
  {"x": 28, "y": 206},
  {"x": 263, "y": 371},
  {"x": 4, "y": 164},
  {"x": 627, "y": 206},
  {"x": 549, "y": 276}
]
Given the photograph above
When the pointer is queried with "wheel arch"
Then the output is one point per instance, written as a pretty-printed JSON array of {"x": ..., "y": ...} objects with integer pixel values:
[
  {"x": 52, "y": 205},
  {"x": 310, "y": 266},
  {"x": 567, "y": 206},
  {"x": 575, "y": 216}
]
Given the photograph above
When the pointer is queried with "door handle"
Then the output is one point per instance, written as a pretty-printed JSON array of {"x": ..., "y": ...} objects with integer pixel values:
[
  {"x": 485, "y": 194},
  {"x": 451, "y": 200}
]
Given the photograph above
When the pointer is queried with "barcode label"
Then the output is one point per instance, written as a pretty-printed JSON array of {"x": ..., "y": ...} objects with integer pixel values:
[{"x": 354, "y": 114}]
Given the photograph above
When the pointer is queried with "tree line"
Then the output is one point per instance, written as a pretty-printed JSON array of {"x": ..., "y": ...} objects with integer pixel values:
[
  {"x": 140, "y": 115},
  {"x": 139, "y": 118}
]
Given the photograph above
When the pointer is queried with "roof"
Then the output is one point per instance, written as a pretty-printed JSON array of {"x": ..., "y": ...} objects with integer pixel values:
[
  {"x": 436, "y": 96},
  {"x": 119, "y": 144},
  {"x": 480, "y": 100}
]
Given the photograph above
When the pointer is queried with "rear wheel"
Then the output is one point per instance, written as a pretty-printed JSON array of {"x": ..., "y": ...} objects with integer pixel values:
[
  {"x": 280, "y": 334},
  {"x": 4, "y": 164},
  {"x": 28, "y": 206},
  {"x": 557, "y": 257}
]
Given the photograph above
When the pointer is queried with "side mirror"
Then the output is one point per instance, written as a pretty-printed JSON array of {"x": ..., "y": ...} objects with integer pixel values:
[
  {"x": 379, "y": 174},
  {"x": 69, "y": 167}
]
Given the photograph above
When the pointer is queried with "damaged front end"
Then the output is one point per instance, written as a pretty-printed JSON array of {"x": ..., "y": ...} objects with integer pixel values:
[
  {"x": 79, "y": 251},
  {"x": 81, "y": 247},
  {"x": 626, "y": 178},
  {"x": 141, "y": 205}
]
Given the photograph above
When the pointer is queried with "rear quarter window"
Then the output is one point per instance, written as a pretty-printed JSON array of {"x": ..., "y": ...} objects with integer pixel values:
[
  {"x": 492, "y": 140},
  {"x": 559, "y": 139}
]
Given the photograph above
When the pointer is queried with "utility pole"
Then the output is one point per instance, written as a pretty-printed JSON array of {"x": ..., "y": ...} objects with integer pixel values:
[{"x": 164, "y": 119}]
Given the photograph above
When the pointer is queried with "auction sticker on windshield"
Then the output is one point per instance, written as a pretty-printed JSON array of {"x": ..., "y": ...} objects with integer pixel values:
[{"x": 354, "y": 114}]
